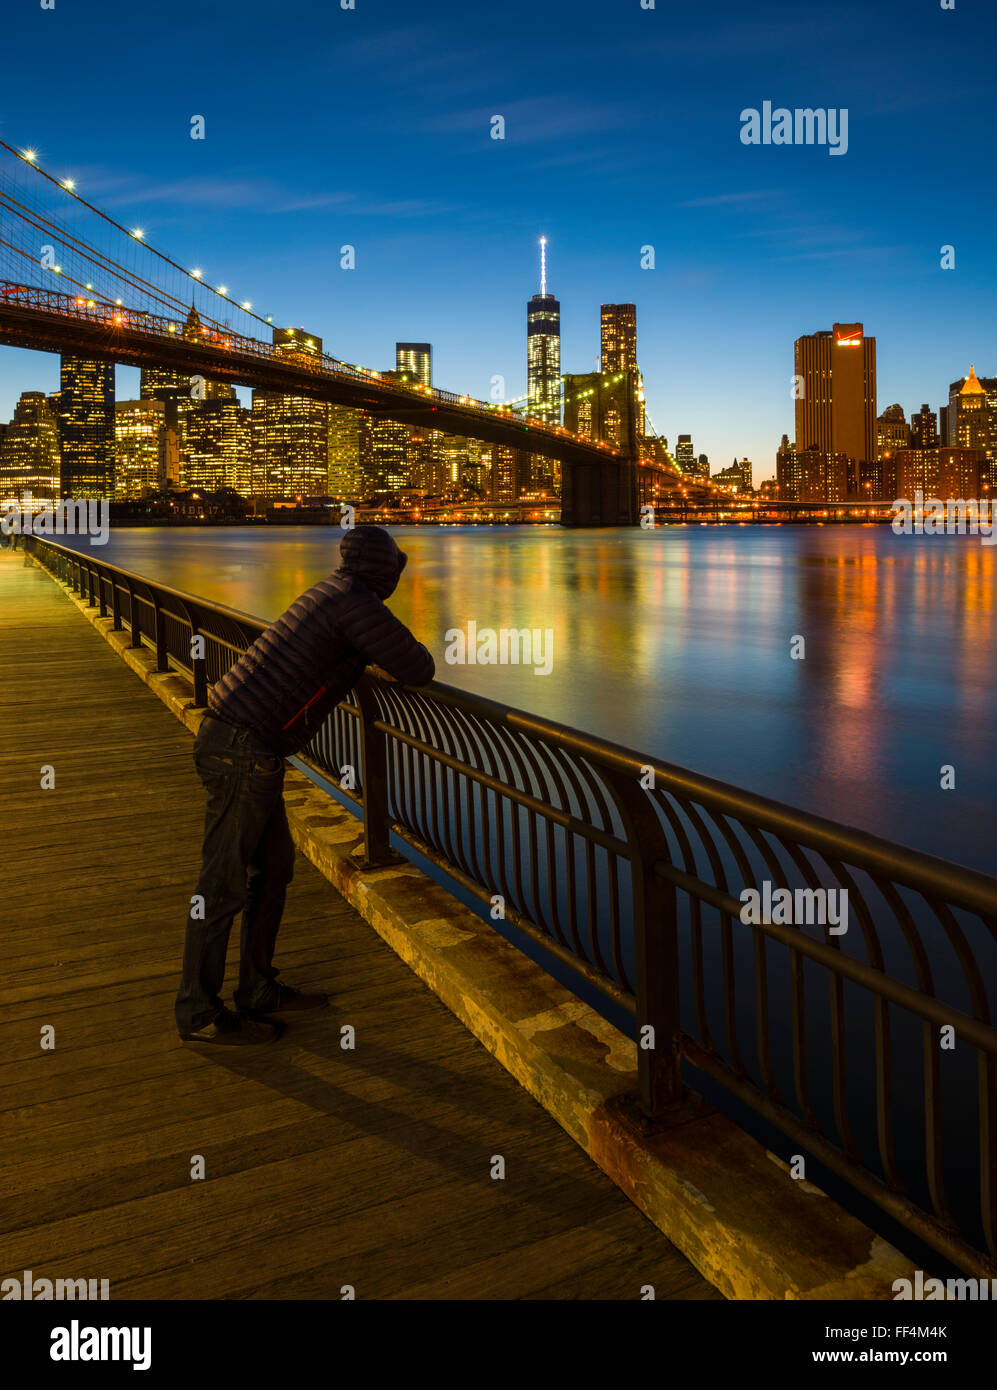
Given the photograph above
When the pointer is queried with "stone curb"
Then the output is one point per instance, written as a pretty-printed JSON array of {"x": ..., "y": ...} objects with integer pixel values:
[{"x": 720, "y": 1197}]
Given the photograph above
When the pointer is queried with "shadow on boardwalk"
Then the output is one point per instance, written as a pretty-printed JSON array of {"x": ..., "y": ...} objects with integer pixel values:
[{"x": 323, "y": 1167}]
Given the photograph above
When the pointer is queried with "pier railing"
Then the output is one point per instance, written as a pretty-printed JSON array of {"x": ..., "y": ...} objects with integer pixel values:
[{"x": 848, "y": 1004}]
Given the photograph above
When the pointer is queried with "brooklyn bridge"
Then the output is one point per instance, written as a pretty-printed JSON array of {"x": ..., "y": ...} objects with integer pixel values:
[{"x": 74, "y": 280}]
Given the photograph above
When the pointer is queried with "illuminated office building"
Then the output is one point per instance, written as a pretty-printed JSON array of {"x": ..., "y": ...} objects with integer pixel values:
[
  {"x": 684, "y": 457},
  {"x": 543, "y": 350},
  {"x": 344, "y": 451},
  {"x": 836, "y": 412},
  {"x": 219, "y": 450},
  {"x": 972, "y": 415},
  {"x": 618, "y": 337},
  {"x": 139, "y": 427},
  {"x": 892, "y": 431},
  {"x": 290, "y": 434},
  {"x": 29, "y": 450},
  {"x": 618, "y": 350},
  {"x": 414, "y": 362},
  {"x": 924, "y": 429},
  {"x": 86, "y": 427}
]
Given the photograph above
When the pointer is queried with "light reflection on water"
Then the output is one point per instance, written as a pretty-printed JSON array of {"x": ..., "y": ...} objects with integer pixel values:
[{"x": 677, "y": 642}]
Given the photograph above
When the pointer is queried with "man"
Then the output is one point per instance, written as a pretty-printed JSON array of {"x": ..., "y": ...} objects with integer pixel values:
[{"x": 267, "y": 707}]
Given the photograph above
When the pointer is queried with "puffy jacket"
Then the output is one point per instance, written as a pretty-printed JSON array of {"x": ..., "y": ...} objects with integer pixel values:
[{"x": 297, "y": 671}]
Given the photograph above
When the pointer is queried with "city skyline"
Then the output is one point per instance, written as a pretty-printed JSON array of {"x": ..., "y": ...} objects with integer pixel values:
[{"x": 754, "y": 246}]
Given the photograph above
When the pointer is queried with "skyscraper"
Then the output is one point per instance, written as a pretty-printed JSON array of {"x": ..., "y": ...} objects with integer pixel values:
[
  {"x": 543, "y": 350},
  {"x": 344, "y": 451},
  {"x": 618, "y": 337},
  {"x": 892, "y": 430},
  {"x": 618, "y": 350},
  {"x": 684, "y": 457},
  {"x": 138, "y": 445},
  {"x": 415, "y": 361},
  {"x": 219, "y": 446},
  {"x": 290, "y": 433},
  {"x": 86, "y": 427},
  {"x": 924, "y": 428},
  {"x": 972, "y": 418},
  {"x": 836, "y": 405},
  {"x": 29, "y": 450}
]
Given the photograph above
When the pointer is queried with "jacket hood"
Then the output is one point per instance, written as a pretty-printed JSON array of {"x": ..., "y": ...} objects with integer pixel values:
[{"x": 371, "y": 555}]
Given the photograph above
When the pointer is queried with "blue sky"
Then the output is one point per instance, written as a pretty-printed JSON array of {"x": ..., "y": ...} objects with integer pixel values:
[{"x": 371, "y": 127}]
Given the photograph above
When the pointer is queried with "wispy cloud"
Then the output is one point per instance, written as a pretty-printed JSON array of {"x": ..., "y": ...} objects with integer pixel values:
[
  {"x": 716, "y": 199},
  {"x": 533, "y": 119}
]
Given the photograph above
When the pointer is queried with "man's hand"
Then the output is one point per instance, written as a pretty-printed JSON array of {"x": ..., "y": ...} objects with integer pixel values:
[{"x": 382, "y": 674}]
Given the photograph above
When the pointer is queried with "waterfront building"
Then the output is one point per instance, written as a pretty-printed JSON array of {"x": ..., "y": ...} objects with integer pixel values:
[
  {"x": 219, "y": 446},
  {"x": 735, "y": 479},
  {"x": 139, "y": 427},
  {"x": 290, "y": 434},
  {"x": 836, "y": 404},
  {"x": 618, "y": 350},
  {"x": 972, "y": 416},
  {"x": 684, "y": 459},
  {"x": 924, "y": 429},
  {"x": 812, "y": 475},
  {"x": 86, "y": 427},
  {"x": 892, "y": 431},
  {"x": 30, "y": 450},
  {"x": 344, "y": 451},
  {"x": 950, "y": 471}
]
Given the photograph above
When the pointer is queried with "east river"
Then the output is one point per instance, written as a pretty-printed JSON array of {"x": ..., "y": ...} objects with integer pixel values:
[{"x": 678, "y": 641}]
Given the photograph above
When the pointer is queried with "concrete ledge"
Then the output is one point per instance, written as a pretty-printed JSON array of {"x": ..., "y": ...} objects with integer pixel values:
[{"x": 727, "y": 1203}]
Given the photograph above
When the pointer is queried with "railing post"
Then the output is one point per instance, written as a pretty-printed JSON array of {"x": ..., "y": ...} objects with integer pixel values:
[
  {"x": 136, "y": 624},
  {"x": 377, "y": 849},
  {"x": 656, "y": 956},
  {"x": 100, "y": 596},
  {"x": 91, "y": 601},
  {"x": 200, "y": 667},
  {"x": 162, "y": 656},
  {"x": 115, "y": 606}
]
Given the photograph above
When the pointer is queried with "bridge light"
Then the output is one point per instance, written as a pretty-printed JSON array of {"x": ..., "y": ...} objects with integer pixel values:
[
  {"x": 172, "y": 327},
  {"x": 246, "y": 304},
  {"x": 88, "y": 287},
  {"x": 57, "y": 269},
  {"x": 117, "y": 301},
  {"x": 30, "y": 156},
  {"x": 69, "y": 183},
  {"x": 196, "y": 274},
  {"x": 138, "y": 234},
  {"x": 269, "y": 318},
  {"x": 223, "y": 289}
]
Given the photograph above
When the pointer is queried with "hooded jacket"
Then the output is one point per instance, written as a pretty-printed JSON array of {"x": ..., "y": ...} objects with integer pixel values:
[{"x": 299, "y": 669}]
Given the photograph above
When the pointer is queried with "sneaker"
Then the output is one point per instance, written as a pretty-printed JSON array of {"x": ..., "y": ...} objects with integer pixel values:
[
  {"x": 288, "y": 1000},
  {"x": 234, "y": 1030}
]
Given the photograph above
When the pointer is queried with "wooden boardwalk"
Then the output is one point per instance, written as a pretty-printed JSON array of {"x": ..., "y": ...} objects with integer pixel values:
[{"x": 323, "y": 1167}]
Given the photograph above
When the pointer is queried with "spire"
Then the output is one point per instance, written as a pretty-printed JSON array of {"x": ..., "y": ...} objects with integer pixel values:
[
  {"x": 971, "y": 386},
  {"x": 543, "y": 266}
]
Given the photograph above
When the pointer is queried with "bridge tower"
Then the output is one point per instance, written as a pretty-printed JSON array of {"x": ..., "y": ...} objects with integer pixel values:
[{"x": 602, "y": 406}]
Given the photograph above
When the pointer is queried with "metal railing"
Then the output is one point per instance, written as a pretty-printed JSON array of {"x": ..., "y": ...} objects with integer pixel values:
[{"x": 871, "y": 1049}]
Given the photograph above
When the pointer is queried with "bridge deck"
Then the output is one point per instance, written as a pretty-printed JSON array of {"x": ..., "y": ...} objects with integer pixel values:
[{"x": 323, "y": 1167}]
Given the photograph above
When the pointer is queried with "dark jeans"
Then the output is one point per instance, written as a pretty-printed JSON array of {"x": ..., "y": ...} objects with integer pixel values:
[{"x": 248, "y": 862}]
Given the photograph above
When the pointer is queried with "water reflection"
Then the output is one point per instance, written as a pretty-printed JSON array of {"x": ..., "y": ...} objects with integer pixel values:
[{"x": 677, "y": 641}]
